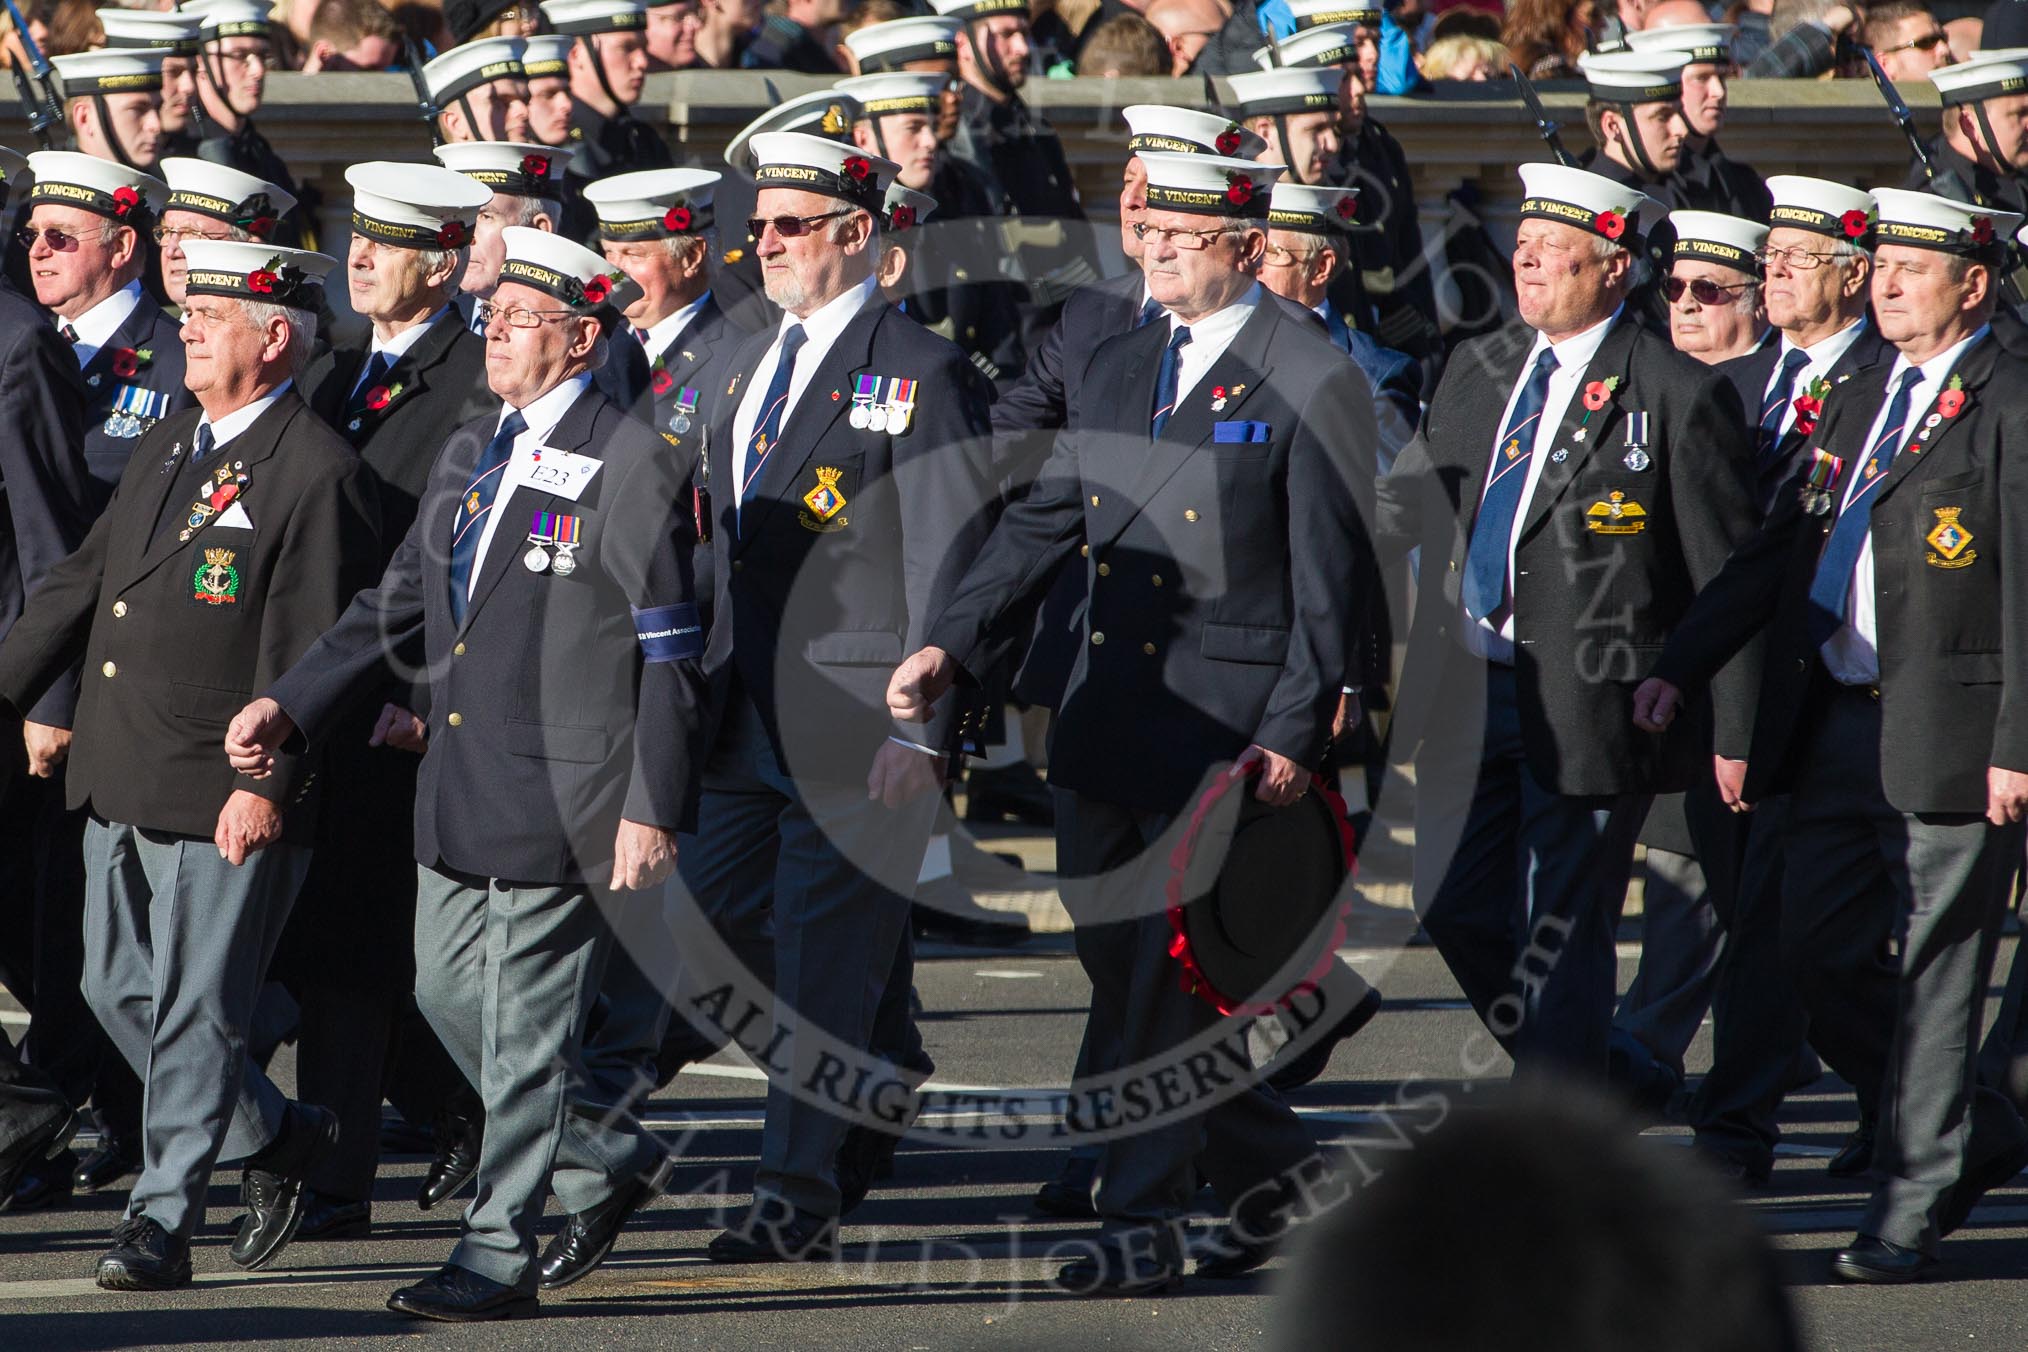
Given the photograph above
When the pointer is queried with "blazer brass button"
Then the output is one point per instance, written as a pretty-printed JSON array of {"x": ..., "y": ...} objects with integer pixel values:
[
  {"x": 1148, "y": 648},
  {"x": 1190, "y": 514},
  {"x": 1084, "y": 551},
  {"x": 119, "y": 610},
  {"x": 1094, "y": 499},
  {"x": 1096, "y": 639},
  {"x": 110, "y": 670},
  {"x": 458, "y": 651},
  {"x": 1157, "y": 579},
  {"x": 1105, "y": 570},
  {"x": 456, "y": 720}
]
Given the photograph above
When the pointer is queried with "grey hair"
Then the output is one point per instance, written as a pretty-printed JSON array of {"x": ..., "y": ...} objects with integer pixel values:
[
  {"x": 674, "y": 245},
  {"x": 429, "y": 260},
  {"x": 835, "y": 231},
  {"x": 1843, "y": 254},
  {"x": 535, "y": 209},
  {"x": 1603, "y": 248},
  {"x": 302, "y": 329}
]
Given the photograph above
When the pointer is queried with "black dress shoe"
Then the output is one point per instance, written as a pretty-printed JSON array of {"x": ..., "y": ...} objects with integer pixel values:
[
  {"x": 1065, "y": 1200},
  {"x": 1881, "y": 1263},
  {"x": 44, "y": 1183},
  {"x": 1238, "y": 1249},
  {"x": 329, "y": 1218},
  {"x": 864, "y": 1156},
  {"x": 1977, "y": 1180},
  {"x": 43, "y": 1142},
  {"x": 1122, "y": 1269},
  {"x": 107, "y": 1165},
  {"x": 458, "y": 1295},
  {"x": 1010, "y": 792},
  {"x": 799, "y": 1237},
  {"x": 272, "y": 1185},
  {"x": 144, "y": 1257},
  {"x": 1741, "y": 1170},
  {"x": 1307, "y": 1064},
  {"x": 587, "y": 1236},
  {"x": 458, "y": 1140},
  {"x": 1855, "y": 1156}
]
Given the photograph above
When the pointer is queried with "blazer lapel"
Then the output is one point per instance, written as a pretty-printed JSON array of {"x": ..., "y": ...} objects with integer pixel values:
[
  {"x": 1582, "y": 431},
  {"x": 1239, "y": 370},
  {"x": 247, "y": 450},
  {"x": 573, "y": 432},
  {"x": 1973, "y": 369},
  {"x": 808, "y": 420},
  {"x": 132, "y": 333}
]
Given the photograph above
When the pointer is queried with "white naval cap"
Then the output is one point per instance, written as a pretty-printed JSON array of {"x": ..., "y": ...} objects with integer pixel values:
[
  {"x": 1312, "y": 208},
  {"x": 1327, "y": 45},
  {"x": 822, "y": 112},
  {"x": 257, "y": 272},
  {"x": 794, "y": 159},
  {"x": 1259, "y": 93},
  {"x": 1316, "y": 13},
  {"x": 516, "y": 168},
  {"x": 1698, "y": 43},
  {"x": 225, "y": 194},
  {"x": 1982, "y": 75},
  {"x": 1634, "y": 77},
  {"x": 891, "y": 45},
  {"x": 576, "y": 18},
  {"x": 414, "y": 206},
  {"x": 232, "y": 18},
  {"x": 907, "y": 208},
  {"x": 1714, "y": 237},
  {"x": 1821, "y": 207},
  {"x": 465, "y": 68},
  {"x": 1578, "y": 197},
  {"x": 110, "y": 70},
  {"x": 546, "y": 54},
  {"x": 102, "y": 187},
  {"x": 1210, "y": 185},
  {"x": 1188, "y": 131},
  {"x": 175, "y": 33},
  {"x": 895, "y": 91},
  {"x": 653, "y": 203},
  {"x": 1922, "y": 220},
  {"x": 968, "y": 10},
  {"x": 564, "y": 269}
]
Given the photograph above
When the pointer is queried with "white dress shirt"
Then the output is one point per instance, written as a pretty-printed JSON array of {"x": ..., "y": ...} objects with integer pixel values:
[
  {"x": 542, "y": 415},
  {"x": 237, "y": 421},
  {"x": 660, "y": 337},
  {"x": 1852, "y": 655},
  {"x": 396, "y": 347},
  {"x": 1826, "y": 354},
  {"x": 820, "y": 331},
  {"x": 1573, "y": 355},
  {"x": 96, "y": 326},
  {"x": 1209, "y": 337}
]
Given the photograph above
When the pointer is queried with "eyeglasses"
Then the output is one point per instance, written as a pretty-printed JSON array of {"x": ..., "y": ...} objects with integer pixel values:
[
  {"x": 517, "y": 316},
  {"x": 245, "y": 60},
  {"x": 1703, "y": 290},
  {"x": 1794, "y": 259},
  {"x": 60, "y": 241},
  {"x": 1192, "y": 240},
  {"x": 1289, "y": 258},
  {"x": 791, "y": 227},
  {"x": 181, "y": 233},
  {"x": 1928, "y": 42}
]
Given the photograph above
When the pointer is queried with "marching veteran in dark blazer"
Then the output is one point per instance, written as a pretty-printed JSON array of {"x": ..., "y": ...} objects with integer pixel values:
[
  {"x": 89, "y": 223},
  {"x": 1893, "y": 589},
  {"x": 1574, "y": 482},
  {"x": 1214, "y": 482},
  {"x": 850, "y": 486},
  {"x": 235, "y": 537},
  {"x": 542, "y": 598}
]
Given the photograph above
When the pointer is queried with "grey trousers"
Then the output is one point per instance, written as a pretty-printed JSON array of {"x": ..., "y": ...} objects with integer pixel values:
[
  {"x": 176, "y": 943},
  {"x": 814, "y": 880},
  {"x": 1681, "y": 940},
  {"x": 506, "y": 976},
  {"x": 1890, "y": 922}
]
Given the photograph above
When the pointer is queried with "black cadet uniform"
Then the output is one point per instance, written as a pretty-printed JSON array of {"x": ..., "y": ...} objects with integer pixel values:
[{"x": 1708, "y": 179}]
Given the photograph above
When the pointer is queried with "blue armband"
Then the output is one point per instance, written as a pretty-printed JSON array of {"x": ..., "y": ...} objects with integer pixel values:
[{"x": 668, "y": 633}]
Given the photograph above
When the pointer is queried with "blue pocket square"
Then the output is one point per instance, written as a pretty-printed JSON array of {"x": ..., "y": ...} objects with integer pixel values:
[{"x": 1241, "y": 431}]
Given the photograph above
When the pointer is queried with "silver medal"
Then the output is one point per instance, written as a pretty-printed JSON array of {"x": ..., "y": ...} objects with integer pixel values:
[
  {"x": 1558, "y": 456},
  {"x": 680, "y": 423},
  {"x": 857, "y": 417},
  {"x": 1635, "y": 459},
  {"x": 876, "y": 418},
  {"x": 536, "y": 560},
  {"x": 566, "y": 561}
]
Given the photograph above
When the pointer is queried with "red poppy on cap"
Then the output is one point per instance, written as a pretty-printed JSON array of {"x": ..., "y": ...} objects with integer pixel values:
[
  {"x": 1347, "y": 207},
  {"x": 260, "y": 226},
  {"x": 904, "y": 217},
  {"x": 676, "y": 218},
  {"x": 856, "y": 167},
  {"x": 597, "y": 289},
  {"x": 535, "y": 166},
  {"x": 1854, "y": 223},
  {"x": 453, "y": 235},
  {"x": 1228, "y": 141},
  {"x": 261, "y": 282},
  {"x": 1982, "y": 229},
  {"x": 125, "y": 199},
  {"x": 1238, "y": 189},
  {"x": 1610, "y": 224}
]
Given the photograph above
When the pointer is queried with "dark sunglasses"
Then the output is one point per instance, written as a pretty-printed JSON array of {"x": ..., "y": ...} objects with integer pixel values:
[
  {"x": 790, "y": 227},
  {"x": 1703, "y": 290},
  {"x": 61, "y": 241},
  {"x": 1928, "y": 42}
]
